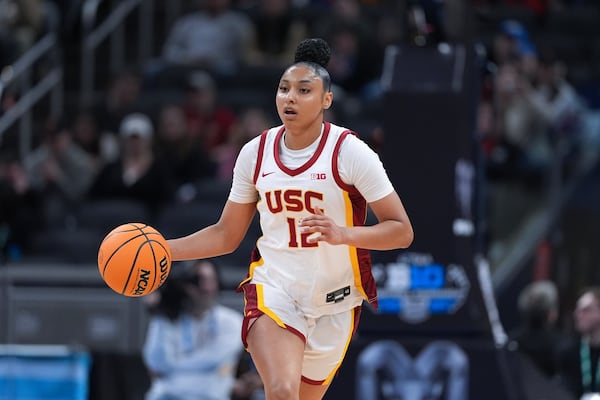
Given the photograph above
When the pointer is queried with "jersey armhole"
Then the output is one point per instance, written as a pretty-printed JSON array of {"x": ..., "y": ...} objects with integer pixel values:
[
  {"x": 261, "y": 150},
  {"x": 334, "y": 162}
]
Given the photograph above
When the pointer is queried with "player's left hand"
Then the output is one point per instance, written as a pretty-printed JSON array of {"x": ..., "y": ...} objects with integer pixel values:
[{"x": 320, "y": 223}]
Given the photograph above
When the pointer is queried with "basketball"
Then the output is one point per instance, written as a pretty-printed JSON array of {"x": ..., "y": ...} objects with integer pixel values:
[{"x": 134, "y": 259}]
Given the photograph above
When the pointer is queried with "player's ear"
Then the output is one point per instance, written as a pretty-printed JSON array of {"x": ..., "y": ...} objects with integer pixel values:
[{"x": 328, "y": 100}]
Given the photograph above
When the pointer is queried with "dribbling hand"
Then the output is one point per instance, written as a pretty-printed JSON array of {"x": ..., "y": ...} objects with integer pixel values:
[{"x": 329, "y": 231}]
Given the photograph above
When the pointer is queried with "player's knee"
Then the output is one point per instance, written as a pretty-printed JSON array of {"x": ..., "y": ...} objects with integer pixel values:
[{"x": 282, "y": 391}]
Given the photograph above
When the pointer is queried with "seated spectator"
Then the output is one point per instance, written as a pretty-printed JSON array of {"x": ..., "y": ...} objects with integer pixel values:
[
  {"x": 354, "y": 65},
  {"x": 184, "y": 155},
  {"x": 557, "y": 103},
  {"x": 538, "y": 336},
  {"x": 579, "y": 359},
  {"x": 103, "y": 147},
  {"x": 214, "y": 37},
  {"x": 510, "y": 41},
  {"x": 20, "y": 208},
  {"x": 208, "y": 122},
  {"x": 22, "y": 22},
  {"x": 277, "y": 30},
  {"x": 192, "y": 344},
  {"x": 248, "y": 385},
  {"x": 121, "y": 98},
  {"x": 252, "y": 122},
  {"x": 138, "y": 174},
  {"x": 60, "y": 170},
  {"x": 522, "y": 151}
]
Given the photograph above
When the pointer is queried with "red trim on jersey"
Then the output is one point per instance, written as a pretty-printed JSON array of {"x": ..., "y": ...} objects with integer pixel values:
[
  {"x": 309, "y": 163},
  {"x": 252, "y": 313},
  {"x": 359, "y": 216},
  {"x": 335, "y": 167},
  {"x": 259, "y": 157},
  {"x": 254, "y": 257},
  {"x": 357, "y": 314},
  {"x": 311, "y": 382}
]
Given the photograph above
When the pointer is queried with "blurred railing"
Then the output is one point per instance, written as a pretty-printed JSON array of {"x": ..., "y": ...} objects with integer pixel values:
[
  {"x": 540, "y": 222},
  {"x": 22, "y": 78},
  {"x": 112, "y": 28}
]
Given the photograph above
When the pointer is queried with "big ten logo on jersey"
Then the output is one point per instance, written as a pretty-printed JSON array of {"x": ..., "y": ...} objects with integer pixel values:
[
  {"x": 416, "y": 287},
  {"x": 318, "y": 176},
  {"x": 294, "y": 201}
]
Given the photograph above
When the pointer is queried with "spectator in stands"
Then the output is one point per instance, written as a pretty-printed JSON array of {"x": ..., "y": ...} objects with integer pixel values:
[
  {"x": 538, "y": 335},
  {"x": 208, "y": 121},
  {"x": 248, "y": 385},
  {"x": 511, "y": 42},
  {"x": 184, "y": 155},
  {"x": 20, "y": 207},
  {"x": 557, "y": 103},
  {"x": 9, "y": 47},
  {"x": 355, "y": 66},
  {"x": 121, "y": 98},
  {"x": 252, "y": 122},
  {"x": 356, "y": 53},
  {"x": 277, "y": 29},
  {"x": 579, "y": 360},
  {"x": 192, "y": 346},
  {"x": 60, "y": 170},
  {"x": 138, "y": 174},
  {"x": 23, "y": 21},
  {"x": 521, "y": 133},
  {"x": 103, "y": 147},
  {"x": 214, "y": 37},
  {"x": 343, "y": 13}
]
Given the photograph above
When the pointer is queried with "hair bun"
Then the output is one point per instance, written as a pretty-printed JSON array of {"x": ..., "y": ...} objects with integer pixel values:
[{"x": 315, "y": 50}]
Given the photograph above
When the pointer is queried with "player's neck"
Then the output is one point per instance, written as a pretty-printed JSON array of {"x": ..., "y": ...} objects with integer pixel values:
[{"x": 300, "y": 139}]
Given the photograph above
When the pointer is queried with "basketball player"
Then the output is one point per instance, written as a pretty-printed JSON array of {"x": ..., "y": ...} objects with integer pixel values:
[{"x": 310, "y": 181}]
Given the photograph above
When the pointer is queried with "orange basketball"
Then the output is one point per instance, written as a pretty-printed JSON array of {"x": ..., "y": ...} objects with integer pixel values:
[{"x": 134, "y": 259}]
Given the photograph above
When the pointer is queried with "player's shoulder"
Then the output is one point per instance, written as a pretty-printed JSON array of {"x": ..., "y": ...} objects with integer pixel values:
[
  {"x": 351, "y": 140},
  {"x": 336, "y": 131}
]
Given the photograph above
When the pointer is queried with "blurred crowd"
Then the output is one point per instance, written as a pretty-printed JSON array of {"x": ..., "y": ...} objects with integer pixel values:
[{"x": 159, "y": 131}]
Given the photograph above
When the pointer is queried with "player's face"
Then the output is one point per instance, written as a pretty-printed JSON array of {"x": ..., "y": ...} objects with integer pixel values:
[{"x": 301, "y": 97}]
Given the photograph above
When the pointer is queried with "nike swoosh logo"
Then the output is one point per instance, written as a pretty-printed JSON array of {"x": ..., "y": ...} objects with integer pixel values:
[{"x": 267, "y": 173}]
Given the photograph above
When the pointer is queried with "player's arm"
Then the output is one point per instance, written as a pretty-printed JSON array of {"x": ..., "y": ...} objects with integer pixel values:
[
  {"x": 360, "y": 167},
  {"x": 223, "y": 237},
  {"x": 393, "y": 230}
]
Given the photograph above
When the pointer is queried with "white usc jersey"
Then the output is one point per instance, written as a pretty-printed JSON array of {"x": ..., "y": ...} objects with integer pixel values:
[{"x": 321, "y": 278}]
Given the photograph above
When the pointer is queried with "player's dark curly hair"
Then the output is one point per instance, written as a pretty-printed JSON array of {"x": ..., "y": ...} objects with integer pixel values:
[{"x": 315, "y": 53}]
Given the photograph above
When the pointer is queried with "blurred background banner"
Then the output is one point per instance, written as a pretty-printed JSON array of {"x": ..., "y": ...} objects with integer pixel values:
[
  {"x": 43, "y": 372},
  {"x": 391, "y": 367}
]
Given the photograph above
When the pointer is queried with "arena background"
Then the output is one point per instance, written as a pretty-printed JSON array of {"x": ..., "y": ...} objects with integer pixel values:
[{"x": 480, "y": 238}]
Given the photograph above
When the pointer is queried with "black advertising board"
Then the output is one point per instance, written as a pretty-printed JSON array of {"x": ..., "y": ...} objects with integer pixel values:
[{"x": 431, "y": 155}]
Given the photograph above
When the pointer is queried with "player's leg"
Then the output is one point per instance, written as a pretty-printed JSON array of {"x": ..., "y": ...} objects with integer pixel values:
[
  {"x": 328, "y": 340},
  {"x": 309, "y": 391},
  {"x": 277, "y": 354}
]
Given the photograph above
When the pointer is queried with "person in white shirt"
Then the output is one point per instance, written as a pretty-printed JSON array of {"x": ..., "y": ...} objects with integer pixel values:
[{"x": 192, "y": 346}]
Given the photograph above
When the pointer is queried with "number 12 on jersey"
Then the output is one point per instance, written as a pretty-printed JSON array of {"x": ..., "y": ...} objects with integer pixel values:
[{"x": 303, "y": 236}]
